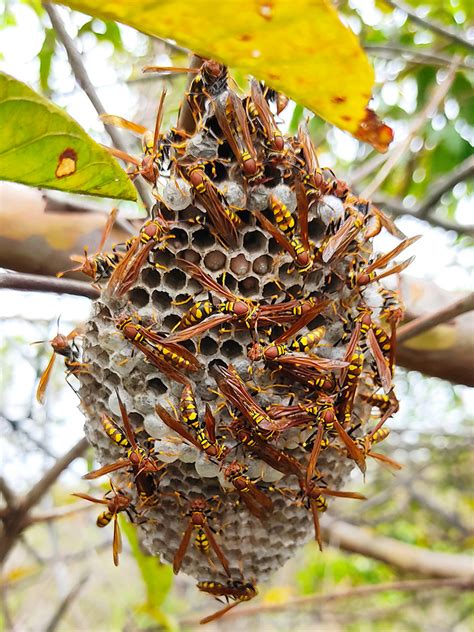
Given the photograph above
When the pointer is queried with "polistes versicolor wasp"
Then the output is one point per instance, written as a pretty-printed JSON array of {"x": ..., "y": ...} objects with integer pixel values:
[
  {"x": 387, "y": 404},
  {"x": 115, "y": 504},
  {"x": 256, "y": 501},
  {"x": 210, "y": 82},
  {"x": 262, "y": 115},
  {"x": 230, "y": 115},
  {"x": 337, "y": 245},
  {"x": 377, "y": 342},
  {"x": 275, "y": 458},
  {"x": 272, "y": 96},
  {"x": 235, "y": 392},
  {"x": 169, "y": 357},
  {"x": 393, "y": 311},
  {"x": 101, "y": 265},
  {"x": 300, "y": 344},
  {"x": 138, "y": 458},
  {"x": 205, "y": 439},
  {"x": 153, "y": 232},
  {"x": 366, "y": 443},
  {"x": 236, "y": 308},
  {"x": 222, "y": 216},
  {"x": 235, "y": 590},
  {"x": 199, "y": 515},
  {"x": 375, "y": 219},
  {"x": 298, "y": 248},
  {"x": 66, "y": 347},
  {"x": 153, "y": 144},
  {"x": 369, "y": 274},
  {"x": 316, "y": 502}
]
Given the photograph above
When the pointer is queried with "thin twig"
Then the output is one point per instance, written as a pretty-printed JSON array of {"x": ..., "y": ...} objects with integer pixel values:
[
  {"x": 446, "y": 183},
  {"x": 415, "y": 585},
  {"x": 431, "y": 25},
  {"x": 45, "y": 482},
  {"x": 17, "y": 427},
  {"x": 39, "y": 283},
  {"x": 65, "y": 603},
  {"x": 57, "y": 513},
  {"x": 82, "y": 78},
  {"x": 437, "y": 96},
  {"x": 417, "y": 55},
  {"x": 425, "y": 323}
]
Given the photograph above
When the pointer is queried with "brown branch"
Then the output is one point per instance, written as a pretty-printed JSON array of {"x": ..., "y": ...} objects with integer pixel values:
[
  {"x": 425, "y": 323},
  {"x": 14, "y": 521},
  {"x": 431, "y": 25},
  {"x": 38, "y": 283},
  {"x": 416, "y": 585},
  {"x": 437, "y": 189},
  {"x": 42, "y": 486},
  {"x": 56, "y": 514},
  {"x": 7, "y": 492},
  {"x": 65, "y": 603},
  {"x": 437, "y": 96},
  {"x": 82, "y": 78},
  {"x": 402, "y": 556},
  {"x": 417, "y": 55}
]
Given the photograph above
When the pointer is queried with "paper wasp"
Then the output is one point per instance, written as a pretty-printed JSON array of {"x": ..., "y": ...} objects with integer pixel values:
[
  {"x": 301, "y": 344},
  {"x": 223, "y": 217},
  {"x": 366, "y": 443},
  {"x": 377, "y": 342},
  {"x": 387, "y": 404},
  {"x": 169, "y": 357},
  {"x": 314, "y": 496},
  {"x": 233, "y": 388},
  {"x": 117, "y": 503},
  {"x": 66, "y": 347},
  {"x": 256, "y": 501},
  {"x": 264, "y": 117},
  {"x": 102, "y": 264},
  {"x": 298, "y": 249},
  {"x": 199, "y": 514},
  {"x": 230, "y": 115},
  {"x": 369, "y": 274},
  {"x": 393, "y": 311},
  {"x": 235, "y": 590},
  {"x": 210, "y": 81},
  {"x": 126, "y": 272},
  {"x": 205, "y": 439},
  {"x": 138, "y": 458},
  {"x": 375, "y": 219},
  {"x": 153, "y": 144},
  {"x": 337, "y": 244},
  {"x": 275, "y": 458}
]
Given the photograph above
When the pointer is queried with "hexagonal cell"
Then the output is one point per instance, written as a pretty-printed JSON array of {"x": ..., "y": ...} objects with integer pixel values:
[
  {"x": 228, "y": 281},
  {"x": 240, "y": 265},
  {"x": 163, "y": 258},
  {"x": 170, "y": 321},
  {"x": 273, "y": 246},
  {"x": 215, "y": 260},
  {"x": 255, "y": 241},
  {"x": 180, "y": 239},
  {"x": 249, "y": 286},
  {"x": 208, "y": 346},
  {"x": 231, "y": 349},
  {"x": 203, "y": 239},
  {"x": 161, "y": 300},
  {"x": 139, "y": 297},
  {"x": 175, "y": 279},
  {"x": 156, "y": 385},
  {"x": 271, "y": 289},
  {"x": 262, "y": 264},
  {"x": 151, "y": 277},
  {"x": 189, "y": 255}
]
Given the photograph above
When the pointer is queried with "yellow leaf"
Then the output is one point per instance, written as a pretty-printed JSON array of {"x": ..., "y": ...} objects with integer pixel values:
[
  {"x": 299, "y": 47},
  {"x": 436, "y": 339}
]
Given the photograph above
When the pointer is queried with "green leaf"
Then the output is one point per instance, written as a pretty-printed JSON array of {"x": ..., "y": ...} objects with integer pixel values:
[
  {"x": 46, "y": 57},
  {"x": 42, "y": 146},
  {"x": 158, "y": 577}
]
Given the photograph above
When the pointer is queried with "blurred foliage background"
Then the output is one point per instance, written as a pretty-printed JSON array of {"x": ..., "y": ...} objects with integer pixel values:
[{"x": 60, "y": 574}]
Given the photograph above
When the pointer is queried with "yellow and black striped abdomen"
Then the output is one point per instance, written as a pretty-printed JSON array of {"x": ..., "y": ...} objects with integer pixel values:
[
  {"x": 115, "y": 432},
  {"x": 104, "y": 518}
]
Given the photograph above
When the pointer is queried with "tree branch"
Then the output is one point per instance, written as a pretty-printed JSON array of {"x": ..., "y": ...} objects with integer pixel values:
[
  {"x": 415, "y": 585},
  {"x": 82, "y": 78},
  {"x": 431, "y": 25},
  {"x": 425, "y": 323},
  {"x": 38, "y": 283},
  {"x": 65, "y": 603},
  {"x": 424, "y": 56}
]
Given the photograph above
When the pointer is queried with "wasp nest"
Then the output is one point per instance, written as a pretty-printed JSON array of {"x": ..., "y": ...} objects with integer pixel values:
[{"x": 236, "y": 350}]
